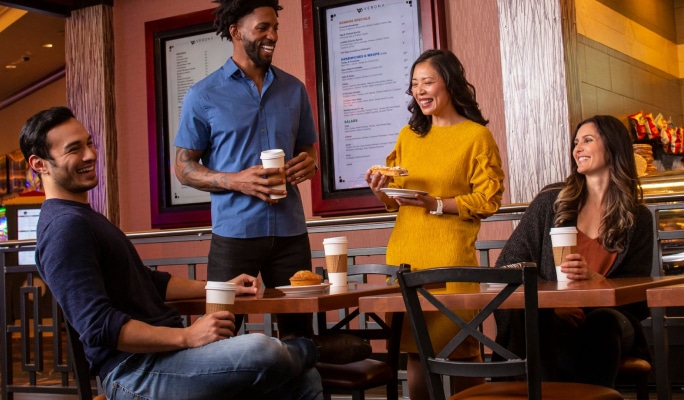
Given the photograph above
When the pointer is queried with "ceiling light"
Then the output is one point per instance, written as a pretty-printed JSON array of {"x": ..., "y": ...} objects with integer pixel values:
[
  {"x": 48, "y": 45},
  {"x": 8, "y": 16},
  {"x": 10, "y": 66}
]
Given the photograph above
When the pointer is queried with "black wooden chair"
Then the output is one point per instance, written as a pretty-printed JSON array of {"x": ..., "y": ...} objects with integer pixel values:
[
  {"x": 84, "y": 381},
  {"x": 514, "y": 365},
  {"x": 356, "y": 377}
]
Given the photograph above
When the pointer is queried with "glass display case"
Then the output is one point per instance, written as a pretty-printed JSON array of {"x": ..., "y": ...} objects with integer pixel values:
[{"x": 664, "y": 195}]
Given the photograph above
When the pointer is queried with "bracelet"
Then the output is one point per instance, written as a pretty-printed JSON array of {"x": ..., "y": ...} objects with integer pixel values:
[{"x": 438, "y": 211}]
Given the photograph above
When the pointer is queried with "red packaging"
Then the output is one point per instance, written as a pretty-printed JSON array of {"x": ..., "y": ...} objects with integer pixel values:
[
  {"x": 651, "y": 127},
  {"x": 638, "y": 124}
]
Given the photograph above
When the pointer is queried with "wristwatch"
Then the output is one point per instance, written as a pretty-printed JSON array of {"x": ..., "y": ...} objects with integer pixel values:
[{"x": 438, "y": 211}]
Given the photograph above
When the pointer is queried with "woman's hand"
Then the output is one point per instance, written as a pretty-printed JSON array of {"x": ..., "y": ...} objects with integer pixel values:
[
  {"x": 573, "y": 316},
  {"x": 575, "y": 266},
  {"x": 375, "y": 183}
]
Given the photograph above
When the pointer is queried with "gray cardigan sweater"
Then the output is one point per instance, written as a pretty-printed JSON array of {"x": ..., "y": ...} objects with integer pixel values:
[{"x": 531, "y": 242}]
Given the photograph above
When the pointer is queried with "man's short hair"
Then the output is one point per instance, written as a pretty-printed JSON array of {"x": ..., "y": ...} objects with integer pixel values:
[
  {"x": 33, "y": 136},
  {"x": 229, "y": 13}
]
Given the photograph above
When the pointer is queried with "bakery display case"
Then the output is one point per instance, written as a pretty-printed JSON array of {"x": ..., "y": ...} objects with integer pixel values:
[{"x": 664, "y": 194}]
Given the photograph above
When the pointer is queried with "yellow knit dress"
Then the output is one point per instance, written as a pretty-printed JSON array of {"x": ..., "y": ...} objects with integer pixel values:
[{"x": 462, "y": 162}]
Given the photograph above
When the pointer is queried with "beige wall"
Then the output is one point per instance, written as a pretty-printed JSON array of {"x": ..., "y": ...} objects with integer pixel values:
[{"x": 12, "y": 117}]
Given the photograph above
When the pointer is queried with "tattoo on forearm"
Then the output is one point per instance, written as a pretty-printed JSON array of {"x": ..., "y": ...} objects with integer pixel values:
[{"x": 190, "y": 172}]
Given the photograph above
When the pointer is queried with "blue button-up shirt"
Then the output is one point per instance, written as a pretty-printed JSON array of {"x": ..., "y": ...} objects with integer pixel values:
[{"x": 225, "y": 116}]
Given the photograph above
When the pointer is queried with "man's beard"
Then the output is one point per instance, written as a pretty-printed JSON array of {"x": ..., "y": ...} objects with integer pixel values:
[{"x": 252, "y": 50}]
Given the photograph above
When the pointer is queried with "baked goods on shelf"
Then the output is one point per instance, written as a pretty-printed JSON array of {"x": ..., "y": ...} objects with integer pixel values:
[
  {"x": 645, "y": 150},
  {"x": 304, "y": 278}
]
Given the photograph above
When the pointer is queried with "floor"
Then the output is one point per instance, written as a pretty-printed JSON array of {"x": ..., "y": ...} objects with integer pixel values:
[{"x": 678, "y": 394}]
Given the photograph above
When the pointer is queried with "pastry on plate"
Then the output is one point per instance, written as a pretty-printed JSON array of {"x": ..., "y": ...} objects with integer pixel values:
[{"x": 304, "y": 278}]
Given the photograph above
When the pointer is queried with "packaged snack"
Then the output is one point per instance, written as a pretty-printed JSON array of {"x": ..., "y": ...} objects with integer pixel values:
[
  {"x": 638, "y": 124},
  {"x": 652, "y": 130}
]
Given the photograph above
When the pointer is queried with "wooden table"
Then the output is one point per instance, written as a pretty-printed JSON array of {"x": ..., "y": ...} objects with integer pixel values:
[
  {"x": 273, "y": 301},
  {"x": 588, "y": 293},
  {"x": 658, "y": 299}
]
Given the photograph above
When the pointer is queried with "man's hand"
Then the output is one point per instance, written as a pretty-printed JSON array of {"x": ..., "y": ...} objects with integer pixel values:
[
  {"x": 246, "y": 284},
  {"x": 257, "y": 181},
  {"x": 210, "y": 328},
  {"x": 300, "y": 168}
]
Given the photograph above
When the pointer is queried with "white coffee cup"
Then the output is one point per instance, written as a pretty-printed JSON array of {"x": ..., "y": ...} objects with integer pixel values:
[
  {"x": 564, "y": 242},
  {"x": 220, "y": 296},
  {"x": 274, "y": 158},
  {"x": 336, "y": 260}
]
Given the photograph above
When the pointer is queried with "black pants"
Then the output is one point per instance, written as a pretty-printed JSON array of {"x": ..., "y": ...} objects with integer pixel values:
[
  {"x": 277, "y": 258},
  {"x": 590, "y": 353}
]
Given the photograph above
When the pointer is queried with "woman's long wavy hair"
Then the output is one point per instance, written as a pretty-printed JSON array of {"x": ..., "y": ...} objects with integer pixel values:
[
  {"x": 462, "y": 93},
  {"x": 624, "y": 193}
]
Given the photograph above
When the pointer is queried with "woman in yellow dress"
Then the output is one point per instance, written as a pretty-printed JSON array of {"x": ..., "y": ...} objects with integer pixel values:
[{"x": 451, "y": 155}]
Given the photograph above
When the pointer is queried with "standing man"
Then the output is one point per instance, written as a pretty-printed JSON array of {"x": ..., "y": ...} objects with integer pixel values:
[
  {"x": 137, "y": 344},
  {"x": 227, "y": 120}
]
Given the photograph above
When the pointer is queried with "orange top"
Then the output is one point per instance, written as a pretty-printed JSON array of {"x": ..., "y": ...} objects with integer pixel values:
[{"x": 598, "y": 258}]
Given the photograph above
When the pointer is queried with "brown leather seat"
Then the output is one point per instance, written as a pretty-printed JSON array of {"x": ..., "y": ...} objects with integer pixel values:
[
  {"x": 636, "y": 371},
  {"x": 359, "y": 375},
  {"x": 550, "y": 390}
]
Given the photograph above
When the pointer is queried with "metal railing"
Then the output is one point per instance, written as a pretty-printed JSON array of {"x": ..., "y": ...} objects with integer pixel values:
[{"x": 32, "y": 320}]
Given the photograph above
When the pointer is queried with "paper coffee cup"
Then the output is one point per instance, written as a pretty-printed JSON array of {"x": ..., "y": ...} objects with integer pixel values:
[
  {"x": 564, "y": 242},
  {"x": 561, "y": 276},
  {"x": 337, "y": 279},
  {"x": 274, "y": 158},
  {"x": 220, "y": 296},
  {"x": 335, "y": 255}
]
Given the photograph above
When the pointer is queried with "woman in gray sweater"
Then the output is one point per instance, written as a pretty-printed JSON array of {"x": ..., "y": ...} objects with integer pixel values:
[{"x": 602, "y": 198}]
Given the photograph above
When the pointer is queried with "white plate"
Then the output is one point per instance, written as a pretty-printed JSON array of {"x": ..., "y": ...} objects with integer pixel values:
[
  {"x": 394, "y": 192},
  {"x": 492, "y": 286},
  {"x": 320, "y": 288}
]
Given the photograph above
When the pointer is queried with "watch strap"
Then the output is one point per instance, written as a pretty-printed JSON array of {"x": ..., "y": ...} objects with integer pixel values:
[{"x": 440, "y": 206}]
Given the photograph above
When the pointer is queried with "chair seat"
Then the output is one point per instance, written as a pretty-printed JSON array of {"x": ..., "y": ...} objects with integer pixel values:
[
  {"x": 634, "y": 365},
  {"x": 362, "y": 374},
  {"x": 550, "y": 391}
]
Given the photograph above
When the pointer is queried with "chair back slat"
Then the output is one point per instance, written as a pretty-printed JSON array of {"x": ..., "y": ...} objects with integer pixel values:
[{"x": 421, "y": 284}]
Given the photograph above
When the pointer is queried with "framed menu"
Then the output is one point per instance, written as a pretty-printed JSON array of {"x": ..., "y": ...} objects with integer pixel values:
[
  {"x": 180, "y": 51},
  {"x": 358, "y": 76}
]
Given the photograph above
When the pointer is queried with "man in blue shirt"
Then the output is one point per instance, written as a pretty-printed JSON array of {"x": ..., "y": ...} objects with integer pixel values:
[
  {"x": 134, "y": 341},
  {"x": 227, "y": 120}
]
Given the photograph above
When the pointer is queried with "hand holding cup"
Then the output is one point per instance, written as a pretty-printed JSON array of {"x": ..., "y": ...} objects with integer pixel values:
[{"x": 564, "y": 242}]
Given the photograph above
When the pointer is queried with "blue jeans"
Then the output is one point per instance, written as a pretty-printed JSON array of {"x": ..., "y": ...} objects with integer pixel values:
[{"x": 250, "y": 366}]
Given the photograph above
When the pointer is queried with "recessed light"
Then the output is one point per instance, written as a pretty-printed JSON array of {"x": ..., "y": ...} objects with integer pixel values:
[
  {"x": 48, "y": 45},
  {"x": 10, "y": 66}
]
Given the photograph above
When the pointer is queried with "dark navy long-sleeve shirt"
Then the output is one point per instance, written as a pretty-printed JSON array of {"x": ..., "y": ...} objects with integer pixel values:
[{"x": 98, "y": 278}]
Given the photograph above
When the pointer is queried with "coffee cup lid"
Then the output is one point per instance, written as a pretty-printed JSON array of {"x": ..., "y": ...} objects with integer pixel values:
[
  {"x": 564, "y": 229},
  {"x": 273, "y": 153},
  {"x": 215, "y": 285},
  {"x": 339, "y": 239}
]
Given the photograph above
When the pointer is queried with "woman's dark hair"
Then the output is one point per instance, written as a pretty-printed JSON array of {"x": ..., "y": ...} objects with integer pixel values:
[
  {"x": 229, "y": 13},
  {"x": 462, "y": 93},
  {"x": 33, "y": 136},
  {"x": 624, "y": 193}
]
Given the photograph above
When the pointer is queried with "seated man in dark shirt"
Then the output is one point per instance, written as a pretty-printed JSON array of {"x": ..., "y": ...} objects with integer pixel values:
[{"x": 135, "y": 342}]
